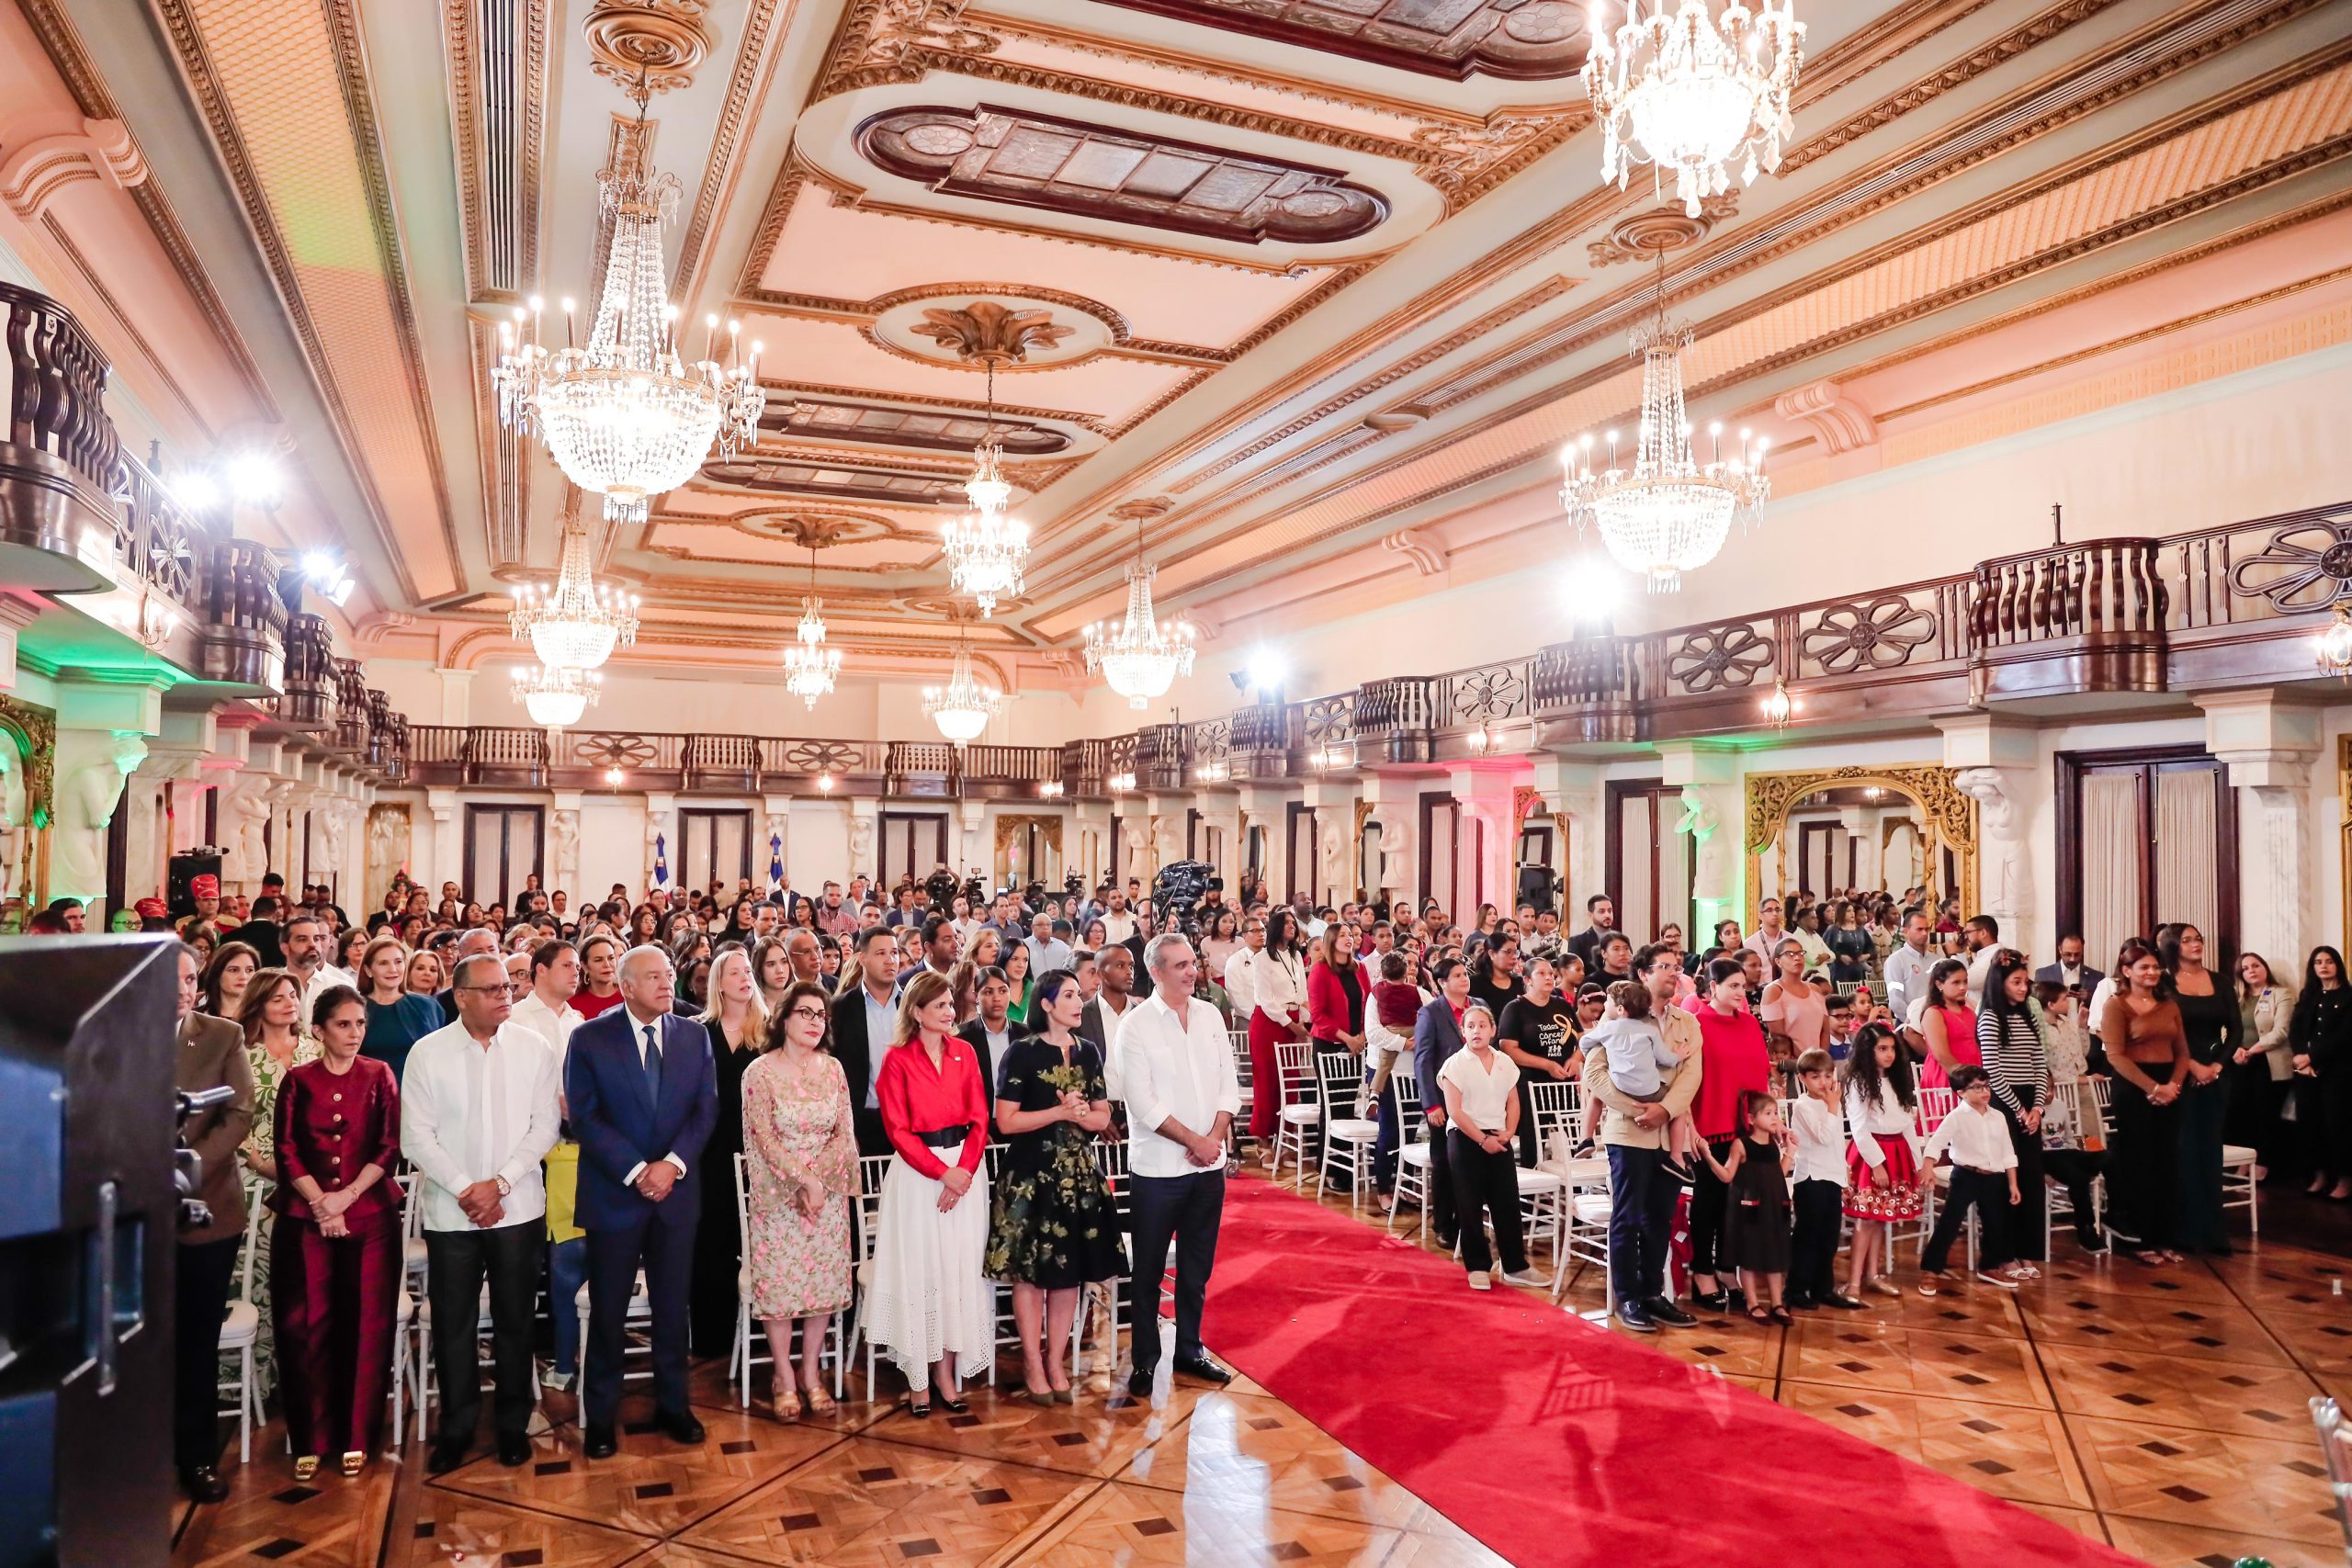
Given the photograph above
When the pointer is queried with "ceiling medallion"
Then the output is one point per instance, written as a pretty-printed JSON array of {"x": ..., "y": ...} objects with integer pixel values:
[
  {"x": 963, "y": 708},
  {"x": 625, "y": 416},
  {"x": 1668, "y": 513},
  {"x": 809, "y": 666},
  {"x": 658, "y": 42},
  {"x": 987, "y": 551},
  {"x": 1139, "y": 656},
  {"x": 1691, "y": 92},
  {"x": 988, "y": 334},
  {"x": 576, "y": 625},
  {"x": 1644, "y": 235}
]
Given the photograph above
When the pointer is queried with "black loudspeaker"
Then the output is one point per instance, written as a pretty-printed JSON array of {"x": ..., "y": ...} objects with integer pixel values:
[
  {"x": 1540, "y": 886},
  {"x": 184, "y": 869},
  {"x": 88, "y": 1214}
]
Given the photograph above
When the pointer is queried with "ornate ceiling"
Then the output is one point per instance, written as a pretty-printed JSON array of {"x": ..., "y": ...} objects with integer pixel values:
[{"x": 1311, "y": 277}]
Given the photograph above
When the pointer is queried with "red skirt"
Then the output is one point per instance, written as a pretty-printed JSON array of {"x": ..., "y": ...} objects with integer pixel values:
[
  {"x": 1265, "y": 1080},
  {"x": 1901, "y": 1199}
]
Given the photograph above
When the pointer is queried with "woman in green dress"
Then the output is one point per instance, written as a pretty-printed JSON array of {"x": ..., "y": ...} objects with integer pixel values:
[
  {"x": 1056, "y": 1230},
  {"x": 1016, "y": 975}
]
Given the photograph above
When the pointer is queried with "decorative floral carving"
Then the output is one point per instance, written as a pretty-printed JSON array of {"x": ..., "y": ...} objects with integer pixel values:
[
  {"x": 1946, "y": 815},
  {"x": 1331, "y": 720},
  {"x": 2307, "y": 566},
  {"x": 613, "y": 749},
  {"x": 1644, "y": 236},
  {"x": 1496, "y": 691},
  {"x": 987, "y": 333},
  {"x": 1717, "y": 658},
  {"x": 820, "y": 756},
  {"x": 1875, "y": 634}
]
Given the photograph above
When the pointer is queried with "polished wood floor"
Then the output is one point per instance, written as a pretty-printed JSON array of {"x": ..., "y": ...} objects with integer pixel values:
[{"x": 2163, "y": 1411}]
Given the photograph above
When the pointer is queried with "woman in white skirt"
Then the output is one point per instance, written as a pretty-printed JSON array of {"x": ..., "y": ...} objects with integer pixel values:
[{"x": 931, "y": 1307}]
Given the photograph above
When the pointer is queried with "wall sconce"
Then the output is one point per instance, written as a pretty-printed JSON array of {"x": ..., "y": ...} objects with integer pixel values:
[
  {"x": 825, "y": 782},
  {"x": 1050, "y": 790},
  {"x": 1478, "y": 741},
  {"x": 2335, "y": 643},
  {"x": 614, "y": 777},
  {"x": 1781, "y": 708}
]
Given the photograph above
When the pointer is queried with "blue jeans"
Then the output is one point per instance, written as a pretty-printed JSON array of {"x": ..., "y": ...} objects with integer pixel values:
[
  {"x": 1641, "y": 1220},
  {"x": 566, "y": 1271},
  {"x": 1384, "y": 1148}
]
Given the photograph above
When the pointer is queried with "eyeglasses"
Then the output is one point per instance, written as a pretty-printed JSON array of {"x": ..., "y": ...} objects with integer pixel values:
[
  {"x": 493, "y": 990},
  {"x": 814, "y": 1015}
]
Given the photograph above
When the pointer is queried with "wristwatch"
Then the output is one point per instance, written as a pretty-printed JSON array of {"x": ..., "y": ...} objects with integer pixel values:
[{"x": 505, "y": 1188}]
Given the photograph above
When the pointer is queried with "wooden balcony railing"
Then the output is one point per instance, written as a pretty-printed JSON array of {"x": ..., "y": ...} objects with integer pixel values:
[{"x": 60, "y": 462}]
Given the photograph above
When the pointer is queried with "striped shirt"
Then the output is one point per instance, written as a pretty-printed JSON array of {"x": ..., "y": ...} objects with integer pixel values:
[{"x": 2014, "y": 1058}]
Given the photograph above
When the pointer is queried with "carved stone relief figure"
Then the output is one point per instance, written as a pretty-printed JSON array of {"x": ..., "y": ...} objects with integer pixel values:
[
  {"x": 86, "y": 801},
  {"x": 1711, "y": 853},
  {"x": 2004, "y": 886},
  {"x": 564, "y": 840},
  {"x": 388, "y": 842}
]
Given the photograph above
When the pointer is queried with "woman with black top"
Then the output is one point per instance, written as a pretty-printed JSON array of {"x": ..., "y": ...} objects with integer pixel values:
[
  {"x": 1494, "y": 974},
  {"x": 2322, "y": 1037},
  {"x": 2018, "y": 1065},
  {"x": 1849, "y": 946},
  {"x": 736, "y": 1019},
  {"x": 1538, "y": 1032},
  {"x": 2208, "y": 1015}
]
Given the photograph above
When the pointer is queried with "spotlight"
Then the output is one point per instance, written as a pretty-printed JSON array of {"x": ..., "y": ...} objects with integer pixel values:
[
  {"x": 196, "y": 491},
  {"x": 1263, "y": 674},
  {"x": 254, "y": 478}
]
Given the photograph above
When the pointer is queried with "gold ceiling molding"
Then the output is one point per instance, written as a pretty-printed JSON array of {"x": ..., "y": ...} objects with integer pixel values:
[
  {"x": 736, "y": 111},
  {"x": 652, "y": 45},
  {"x": 185, "y": 23},
  {"x": 1896, "y": 31},
  {"x": 1643, "y": 237},
  {"x": 62, "y": 43},
  {"x": 864, "y": 312},
  {"x": 36, "y": 169},
  {"x": 985, "y": 332},
  {"x": 787, "y": 390},
  {"x": 1142, "y": 509},
  {"x": 810, "y": 530}
]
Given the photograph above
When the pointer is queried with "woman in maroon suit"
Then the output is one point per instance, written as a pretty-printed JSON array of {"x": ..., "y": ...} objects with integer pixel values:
[{"x": 335, "y": 1256}]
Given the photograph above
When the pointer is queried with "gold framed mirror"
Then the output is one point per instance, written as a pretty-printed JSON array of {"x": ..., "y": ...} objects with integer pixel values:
[{"x": 1905, "y": 806}]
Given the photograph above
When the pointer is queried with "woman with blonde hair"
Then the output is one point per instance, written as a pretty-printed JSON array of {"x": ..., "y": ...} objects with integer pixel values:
[
  {"x": 737, "y": 1021},
  {"x": 396, "y": 1019},
  {"x": 930, "y": 1306},
  {"x": 425, "y": 976}
]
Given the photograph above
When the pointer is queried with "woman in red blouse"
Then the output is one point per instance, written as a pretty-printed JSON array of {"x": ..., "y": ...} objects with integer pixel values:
[
  {"x": 1733, "y": 1059},
  {"x": 930, "y": 1306},
  {"x": 336, "y": 1255}
]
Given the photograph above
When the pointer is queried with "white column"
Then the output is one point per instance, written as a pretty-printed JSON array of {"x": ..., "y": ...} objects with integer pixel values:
[
  {"x": 448, "y": 845},
  {"x": 863, "y": 820},
  {"x": 1484, "y": 798},
  {"x": 2268, "y": 744},
  {"x": 1268, "y": 809},
  {"x": 1578, "y": 804},
  {"x": 1395, "y": 804},
  {"x": 103, "y": 728},
  {"x": 175, "y": 772},
  {"x": 1713, "y": 818},
  {"x": 971, "y": 822},
  {"x": 1995, "y": 762},
  {"x": 1333, "y": 802}
]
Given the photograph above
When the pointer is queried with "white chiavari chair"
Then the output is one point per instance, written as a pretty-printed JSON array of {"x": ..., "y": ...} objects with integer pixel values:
[
  {"x": 1347, "y": 1140},
  {"x": 1300, "y": 1112},
  {"x": 241, "y": 1325},
  {"x": 870, "y": 1168},
  {"x": 1414, "y": 1150},
  {"x": 742, "y": 1358}
]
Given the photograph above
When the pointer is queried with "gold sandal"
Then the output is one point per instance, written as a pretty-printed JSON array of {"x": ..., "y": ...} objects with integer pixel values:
[
  {"x": 306, "y": 1467},
  {"x": 353, "y": 1461},
  {"x": 820, "y": 1403}
]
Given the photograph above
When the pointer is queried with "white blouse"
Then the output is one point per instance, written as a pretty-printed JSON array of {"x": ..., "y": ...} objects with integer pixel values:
[
  {"x": 1278, "y": 984},
  {"x": 1487, "y": 1092},
  {"x": 1866, "y": 1124}
]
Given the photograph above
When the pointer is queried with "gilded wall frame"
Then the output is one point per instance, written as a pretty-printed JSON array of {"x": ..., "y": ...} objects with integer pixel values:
[{"x": 1947, "y": 820}]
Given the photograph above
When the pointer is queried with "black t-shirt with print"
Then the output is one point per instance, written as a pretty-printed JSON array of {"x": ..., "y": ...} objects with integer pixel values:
[{"x": 1548, "y": 1030}]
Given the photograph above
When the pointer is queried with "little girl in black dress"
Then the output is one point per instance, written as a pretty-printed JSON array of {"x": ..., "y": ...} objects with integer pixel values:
[{"x": 1756, "y": 1223}]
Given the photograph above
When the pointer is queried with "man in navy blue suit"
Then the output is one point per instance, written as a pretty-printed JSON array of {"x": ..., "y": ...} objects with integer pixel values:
[{"x": 643, "y": 1093}]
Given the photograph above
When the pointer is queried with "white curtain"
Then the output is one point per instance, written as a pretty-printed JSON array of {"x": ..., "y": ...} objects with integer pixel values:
[
  {"x": 2109, "y": 863},
  {"x": 1637, "y": 907},
  {"x": 2188, "y": 852},
  {"x": 1672, "y": 900}
]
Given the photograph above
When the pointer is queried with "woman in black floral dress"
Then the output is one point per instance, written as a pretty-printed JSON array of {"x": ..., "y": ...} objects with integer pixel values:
[{"x": 1055, "y": 1229}]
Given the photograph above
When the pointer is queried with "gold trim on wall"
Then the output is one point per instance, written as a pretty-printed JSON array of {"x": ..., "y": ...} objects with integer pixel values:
[
  {"x": 1947, "y": 822},
  {"x": 1011, "y": 826}
]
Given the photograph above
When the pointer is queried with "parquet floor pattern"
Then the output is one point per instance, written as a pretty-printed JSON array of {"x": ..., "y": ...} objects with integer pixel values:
[{"x": 2163, "y": 1411}]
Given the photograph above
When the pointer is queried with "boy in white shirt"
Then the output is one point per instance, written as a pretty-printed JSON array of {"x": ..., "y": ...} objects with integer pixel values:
[
  {"x": 1983, "y": 1162},
  {"x": 1819, "y": 1186}
]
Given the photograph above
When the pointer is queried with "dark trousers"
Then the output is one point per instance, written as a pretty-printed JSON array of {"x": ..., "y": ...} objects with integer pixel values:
[
  {"x": 336, "y": 1303},
  {"x": 2075, "y": 1169},
  {"x": 2147, "y": 1163},
  {"x": 2027, "y": 1224},
  {"x": 1187, "y": 1211},
  {"x": 1640, "y": 1222},
  {"x": 2203, "y": 1113},
  {"x": 1710, "y": 1201},
  {"x": 1441, "y": 1198},
  {"x": 719, "y": 1260},
  {"x": 1988, "y": 1193},
  {"x": 662, "y": 1240},
  {"x": 456, "y": 1263},
  {"x": 1485, "y": 1184},
  {"x": 1812, "y": 1251},
  {"x": 199, "y": 1296}
]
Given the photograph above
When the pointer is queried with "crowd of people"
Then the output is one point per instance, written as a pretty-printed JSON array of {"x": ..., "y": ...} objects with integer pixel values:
[{"x": 568, "y": 1086}]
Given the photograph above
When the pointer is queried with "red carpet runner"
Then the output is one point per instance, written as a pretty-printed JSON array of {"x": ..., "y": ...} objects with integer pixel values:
[{"x": 1559, "y": 1444}]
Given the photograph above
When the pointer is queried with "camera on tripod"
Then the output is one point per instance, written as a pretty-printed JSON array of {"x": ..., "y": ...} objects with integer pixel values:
[
  {"x": 1177, "y": 891},
  {"x": 187, "y": 1165}
]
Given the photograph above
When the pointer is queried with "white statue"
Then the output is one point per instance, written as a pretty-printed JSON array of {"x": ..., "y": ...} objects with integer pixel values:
[
  {"x": 2002, "y": 884},
  {"x": 246, "y": 805},
  {"x": 85, "y": 806},
  {"x": 1711, "y": 863},
  {"x": 563, "y": 833},
  {"x": 861, "y": 842},
  {"x": 1336, "y": 880},
  {"x": 1395, "y": 849}
]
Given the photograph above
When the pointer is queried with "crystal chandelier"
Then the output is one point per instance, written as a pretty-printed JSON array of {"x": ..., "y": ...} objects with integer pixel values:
[
  {"x": 809, "y": 665},
  {"x": 1689, "y": 91},
  {"x": 963, "y": 708},
  {"x": 987, "y": 551},
  {"x": 576, "y": 625},
  {"x": 556, "y": 696},
  {"x": 1668, "y": 513},
  {"x": 1140, "y": 656},
  {"x": 625, "y": 416}
]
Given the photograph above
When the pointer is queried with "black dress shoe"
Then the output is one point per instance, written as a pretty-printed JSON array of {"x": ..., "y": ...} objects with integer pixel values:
[
  {"x": 203, "y": 1483},
  {"x": 1200, "y": 1369},
  {"x": 679, "y": 1426},
  {"x": 445, "y": 1458},
  {"x": 514, "y": 1449},
  {"x": 1139, "y": 1382},
  {"x": 1636, "y": 1317},
  {"x": 1666, "y": 1315},
  {"x": 598, "y": 1442},
  {"x": 1716, "y": 1300}
]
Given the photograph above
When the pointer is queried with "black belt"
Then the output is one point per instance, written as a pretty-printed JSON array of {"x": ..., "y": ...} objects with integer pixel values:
[{"x": 946, "y": 1137}]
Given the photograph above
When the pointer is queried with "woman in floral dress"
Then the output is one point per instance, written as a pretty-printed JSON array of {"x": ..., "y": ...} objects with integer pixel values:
[
  {"x": 802, "y": 1147},
  {"x": 1056, "y": 1230},
  {"x": 270, "y": 1012}
]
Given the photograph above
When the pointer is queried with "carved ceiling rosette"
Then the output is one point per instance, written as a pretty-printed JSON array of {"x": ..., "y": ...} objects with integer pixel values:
[
  {"x": 2306, "y": 566},
  {"x": 1718, "y": 657},
  {"x": 985, "y": 332},
  {"x": 1875, "y": 634},
  {"x": 655, "y": 44}
]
